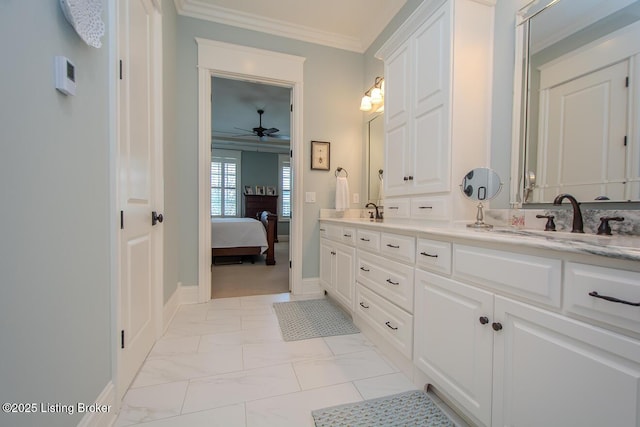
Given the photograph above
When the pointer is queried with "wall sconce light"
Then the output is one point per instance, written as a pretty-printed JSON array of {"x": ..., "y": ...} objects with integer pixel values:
[{"x": 374, "y": 97}]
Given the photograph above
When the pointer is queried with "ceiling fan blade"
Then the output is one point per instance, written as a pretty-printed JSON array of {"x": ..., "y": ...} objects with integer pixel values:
[{"x": 270, "y": 131}]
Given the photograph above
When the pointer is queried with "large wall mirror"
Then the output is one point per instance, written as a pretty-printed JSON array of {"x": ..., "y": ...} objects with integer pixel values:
[
  {"x": 577, "y": 106},
  {"x": 375, "y": 159}
]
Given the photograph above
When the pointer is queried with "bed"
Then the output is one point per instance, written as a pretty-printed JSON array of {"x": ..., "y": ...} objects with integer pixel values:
[{"x": 244, "y": 236}]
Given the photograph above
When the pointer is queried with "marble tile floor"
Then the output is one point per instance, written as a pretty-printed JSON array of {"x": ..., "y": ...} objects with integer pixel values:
[{"x": 224, "y": 363}]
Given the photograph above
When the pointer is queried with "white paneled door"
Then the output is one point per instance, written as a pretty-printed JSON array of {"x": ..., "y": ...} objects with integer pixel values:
[{"x": 138, "y": 156}]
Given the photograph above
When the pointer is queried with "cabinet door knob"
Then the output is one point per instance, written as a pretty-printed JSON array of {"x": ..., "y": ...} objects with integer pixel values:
[
  {"x": 484, "y": 320},
  {"x": 497, "y": 326},
  {"x": 406, "y": 178}
]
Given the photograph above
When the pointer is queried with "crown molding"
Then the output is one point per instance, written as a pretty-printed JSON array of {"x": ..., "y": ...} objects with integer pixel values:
[{"x": 201, "y": 10}]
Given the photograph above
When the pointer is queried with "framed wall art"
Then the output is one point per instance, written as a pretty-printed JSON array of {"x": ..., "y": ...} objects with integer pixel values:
[{"x": 320, "y": 155}]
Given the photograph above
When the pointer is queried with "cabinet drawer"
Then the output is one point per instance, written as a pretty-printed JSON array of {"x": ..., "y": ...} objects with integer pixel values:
[
  {"x": 430, "y": 208},
  {"x": 348, "y": 235},
  {"x": 582, "y": 279},
  {"x": 391, "y": 322},
  {"x": 369, "y": 240},
  {"x": 390, "y": 279},
  {"x": 434, "y": 255},
  {"x": 527, "y": 276},
  {"x": 329, "y": 231},
  {"x": 402, "y": 248},
  {"x": 396, "y": 208},
  {"x": 338, "y": 233}
]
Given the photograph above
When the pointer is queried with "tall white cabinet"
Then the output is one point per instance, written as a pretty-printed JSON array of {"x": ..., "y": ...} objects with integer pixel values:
[{"x": 437, "y": 103}]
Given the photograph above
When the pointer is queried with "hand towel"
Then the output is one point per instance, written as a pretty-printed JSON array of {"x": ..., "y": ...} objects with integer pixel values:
[{"x": 342, "y": 194}]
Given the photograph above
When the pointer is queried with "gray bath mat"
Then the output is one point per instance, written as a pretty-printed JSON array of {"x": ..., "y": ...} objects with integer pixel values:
[
  {"x": 412, "y": 408},
  {"x": 300, "y": 320}
]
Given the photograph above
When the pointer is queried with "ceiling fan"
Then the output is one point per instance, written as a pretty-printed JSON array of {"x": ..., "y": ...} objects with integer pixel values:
[{"x": 261, "y": 131}]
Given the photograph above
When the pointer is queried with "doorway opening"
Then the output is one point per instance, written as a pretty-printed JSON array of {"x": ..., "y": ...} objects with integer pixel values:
[{"x": 250, "y": 174}]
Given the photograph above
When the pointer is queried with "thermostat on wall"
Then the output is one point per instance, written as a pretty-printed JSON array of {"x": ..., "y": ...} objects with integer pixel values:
[{"x": 65, "y": 75}]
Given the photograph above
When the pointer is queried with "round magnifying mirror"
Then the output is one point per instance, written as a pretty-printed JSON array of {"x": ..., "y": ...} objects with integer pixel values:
[{"x": 481, "y": 184}]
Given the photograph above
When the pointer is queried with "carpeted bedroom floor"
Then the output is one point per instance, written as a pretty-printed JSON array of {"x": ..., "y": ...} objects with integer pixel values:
[{"x": 239, "y": 280}]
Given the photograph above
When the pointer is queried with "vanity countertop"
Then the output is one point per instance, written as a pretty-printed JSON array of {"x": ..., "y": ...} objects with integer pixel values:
[{"x": 618, "y": 247}]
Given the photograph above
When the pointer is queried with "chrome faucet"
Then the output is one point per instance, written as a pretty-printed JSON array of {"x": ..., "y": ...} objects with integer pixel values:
[
  {"x": 577, "y": 214},
  {"x": 378, "y": 214}
]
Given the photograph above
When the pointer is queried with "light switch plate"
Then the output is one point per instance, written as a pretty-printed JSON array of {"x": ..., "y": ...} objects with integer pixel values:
[{"x": 310, "y": 197}]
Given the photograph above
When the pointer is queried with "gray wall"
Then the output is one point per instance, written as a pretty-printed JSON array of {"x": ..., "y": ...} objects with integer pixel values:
[
  {"x": 332, "y": 83},
  {"x": 55, "y": 260}
]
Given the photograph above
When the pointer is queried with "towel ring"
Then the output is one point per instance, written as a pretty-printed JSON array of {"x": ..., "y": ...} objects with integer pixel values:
[{"x": 341, "y": 170}]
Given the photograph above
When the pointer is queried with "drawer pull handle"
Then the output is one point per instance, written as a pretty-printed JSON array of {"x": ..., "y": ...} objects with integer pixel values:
[
  {"x": 390, "y": 327},
  {"x": 394, "y": 207},
  {"x": 393, "y": 246},
  {"x": 496, "y": 326},
  {"x": 363, "y": 306},
  {"x": 365, "y": 240},
  {"x": 484, "y": 320},
  {"x": 323, "y": 229},
  {"x": 365, "y": 269},
  {"x": 429, "y": 255},
  {"x": 392, "y": 282},
  {"x": 347, "y": 235},
  {"x": 425, "y": 207},
  {"x": 613, "y": 299}
]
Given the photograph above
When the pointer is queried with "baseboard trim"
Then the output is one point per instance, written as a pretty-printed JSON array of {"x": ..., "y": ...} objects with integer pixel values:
[
  {"x": 188, "y": 294},
  {"x": 103, "y": 412},
  {"x": 311, "y": 285},
  {"x": 170, "y": 309}
]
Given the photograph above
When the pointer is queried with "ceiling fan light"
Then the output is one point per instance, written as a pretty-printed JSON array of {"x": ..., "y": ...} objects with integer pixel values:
[
  {"x": 365, "y": 104},
  {"x": 376, "y": 95}
]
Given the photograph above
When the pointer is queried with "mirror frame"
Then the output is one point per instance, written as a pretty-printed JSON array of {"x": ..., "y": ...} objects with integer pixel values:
[{"x": 527, "y": 10}]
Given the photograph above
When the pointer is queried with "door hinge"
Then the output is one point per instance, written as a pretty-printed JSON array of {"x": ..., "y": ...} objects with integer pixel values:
[
  {"x": 289, "y": 264},
  {"x": 625, "y": 140},
  {"x": 291, "y": 153},
  {"x": 626, "y": 82},
  {"x": 122, "y": 338},
  {"x": 291, "y": 107},
  {"x": 121, "y": 220},
  {"x": 121, "y": 69}
]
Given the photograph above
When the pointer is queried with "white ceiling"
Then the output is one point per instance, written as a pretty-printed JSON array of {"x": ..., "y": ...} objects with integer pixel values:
[{"x": 345, "y": 24}]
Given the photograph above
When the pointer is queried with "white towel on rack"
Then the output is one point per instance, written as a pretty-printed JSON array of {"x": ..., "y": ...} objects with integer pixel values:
[{"x": 342, "y": 194}]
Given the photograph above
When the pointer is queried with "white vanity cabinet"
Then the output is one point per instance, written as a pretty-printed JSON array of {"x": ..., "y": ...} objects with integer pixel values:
[
  {"x": 549, "y": 370},
  {"x": 508, "y": 362},
  {"x": 437, "y": 75},
  {"x": 337, "y": 262},
  {"x": 384, "y": 286},
  {"x": 453, "y": 342},
  {"x": 510, "y": 334}
]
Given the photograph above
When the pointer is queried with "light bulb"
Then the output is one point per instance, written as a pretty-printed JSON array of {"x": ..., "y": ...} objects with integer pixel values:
[
  {"x": 365, "y": 105},
  {"x": 376, "y": 95}
]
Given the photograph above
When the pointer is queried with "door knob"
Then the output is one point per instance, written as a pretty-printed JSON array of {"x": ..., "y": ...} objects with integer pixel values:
[{"x": 156, "y": 218}]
